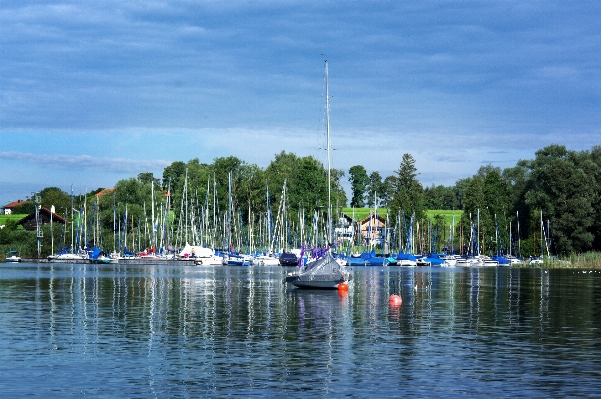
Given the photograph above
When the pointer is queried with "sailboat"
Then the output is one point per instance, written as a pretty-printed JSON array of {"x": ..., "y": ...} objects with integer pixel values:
[{"x": 324, "y": 271}]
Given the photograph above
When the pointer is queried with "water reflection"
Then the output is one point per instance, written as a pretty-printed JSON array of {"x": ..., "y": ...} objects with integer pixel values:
[{"x": 202, "y": 331}]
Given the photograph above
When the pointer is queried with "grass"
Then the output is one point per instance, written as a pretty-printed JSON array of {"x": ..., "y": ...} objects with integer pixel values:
[
  {"x": 585, "y": 260},
  {"x": 447, "y": 214},
  {"x": 362, "y": 213},
  {"x": 15, "y": 218}
]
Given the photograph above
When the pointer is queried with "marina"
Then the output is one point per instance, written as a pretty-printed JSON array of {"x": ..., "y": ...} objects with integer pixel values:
[{"x": 131, "y": 330}]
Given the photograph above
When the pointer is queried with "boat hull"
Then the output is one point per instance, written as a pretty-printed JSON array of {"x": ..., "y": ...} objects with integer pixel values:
[{"x": 315, "y": 284}]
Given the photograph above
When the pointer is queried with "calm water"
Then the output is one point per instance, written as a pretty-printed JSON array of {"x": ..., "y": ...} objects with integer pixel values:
[{"x": 168, "y": 331}]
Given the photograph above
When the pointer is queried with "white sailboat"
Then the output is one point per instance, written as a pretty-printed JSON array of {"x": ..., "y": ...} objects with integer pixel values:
[{"x": 324, "y": 272}]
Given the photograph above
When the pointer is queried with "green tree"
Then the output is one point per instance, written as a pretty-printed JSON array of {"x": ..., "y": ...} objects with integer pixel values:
[
  {"x": 473, "y": 202},
  {"x": 408, "y": 196},
  {"x": 359, "y": 181},
  {"x": 440, "y": 197},
  {"x": 595, "y": 176},
  {"x": 173, "y": 175},
  {"x": 308, "y": 185},
  {"x": 148, "y": 177},
  {"x": 496, "y": 211},
  {"x": 486, "y": 207},
  {"x": 375, "y": 189},
  {"x": 54, "y": 196},
  {"x": 338, "y": 194},
  {"x": 562, "y": 190},
  {"x": 387, "y": 190}
]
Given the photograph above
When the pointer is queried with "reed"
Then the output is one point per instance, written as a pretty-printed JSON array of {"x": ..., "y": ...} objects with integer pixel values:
[{"x": 585, "y": 260}]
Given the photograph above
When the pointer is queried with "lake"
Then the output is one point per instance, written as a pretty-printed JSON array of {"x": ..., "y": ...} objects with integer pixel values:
[{"x": 75, "y": 330}]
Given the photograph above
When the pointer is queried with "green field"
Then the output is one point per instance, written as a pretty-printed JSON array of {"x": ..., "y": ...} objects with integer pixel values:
[
  {"x": 7, "y": 218},
  {"x": 448, "y": 215},
  {"x": 362, "y": 213}
]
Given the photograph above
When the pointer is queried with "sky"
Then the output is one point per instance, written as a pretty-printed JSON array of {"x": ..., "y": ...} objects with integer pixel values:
[{"x": 92, "y": 92}]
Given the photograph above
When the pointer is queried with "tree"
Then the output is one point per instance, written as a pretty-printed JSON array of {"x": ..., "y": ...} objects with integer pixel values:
[
  {"x": 338, "y": 194},
  {"x": 308, "y": 185},
  {"x": 486, "y": 208},
  {"x": 595, "y": 157},
  {"x": 562, "y": 190},
  {"x": 375, "y": 189},
  {"x": 173, "y": 174},
  {"x": 408, "y": 196},
  {"x": 440, "y": 197},
  {"x": 148, "y": 177},
  {"x": 54, "y": 196},
  {"x": 473, "y": 203},
  {"x": 359, "y": 182},
  {"x": 387, "y": 190},
  {"x": 496, "y": 211}
]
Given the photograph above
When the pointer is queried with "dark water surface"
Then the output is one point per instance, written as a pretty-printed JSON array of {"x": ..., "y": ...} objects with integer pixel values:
[{"x": 170, "y": 331}]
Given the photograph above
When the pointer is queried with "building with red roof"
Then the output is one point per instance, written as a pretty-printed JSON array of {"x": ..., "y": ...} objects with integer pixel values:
[{"x": 8, "y": 208}]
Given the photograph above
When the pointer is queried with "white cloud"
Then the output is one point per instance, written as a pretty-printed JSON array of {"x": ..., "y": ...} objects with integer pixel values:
[{"x": 452, "y": 83}]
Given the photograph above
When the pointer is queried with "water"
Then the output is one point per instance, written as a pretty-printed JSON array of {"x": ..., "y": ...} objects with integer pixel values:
[{"x": 168, "y": 331}]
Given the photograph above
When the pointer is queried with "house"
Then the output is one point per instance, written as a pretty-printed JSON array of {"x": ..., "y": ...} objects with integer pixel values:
[
  {"x": 372, "y": 227},
  {"x": 345, "y": 229},
  {"x": 44, "y": 215},
  {"x": 8, "y": 209}
]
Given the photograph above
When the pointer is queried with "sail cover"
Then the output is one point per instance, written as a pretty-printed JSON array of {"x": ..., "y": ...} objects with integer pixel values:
[{"x": 323, "y": 269}]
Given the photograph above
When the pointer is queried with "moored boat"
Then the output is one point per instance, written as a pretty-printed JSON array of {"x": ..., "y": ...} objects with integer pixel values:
[
  {"x": 288, "y": 259},
  {"x": 13, "y": 256},
  {"x": 267, "y": 260},
  {"x": 323, "y": 273},
  {"x": 534, "y": 260},
  {"x": 403, "y": 259}
]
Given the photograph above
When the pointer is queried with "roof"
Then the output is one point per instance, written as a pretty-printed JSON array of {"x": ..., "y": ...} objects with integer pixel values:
[
  {"x": 370, "y": 216},
  {"x": 15, "y": 204},
  {"x": 347, "y": 217},
  {"x": 105, "y": 191},
  {"x": 55, "y": 216},
  {"x": 29, "y": 223}
]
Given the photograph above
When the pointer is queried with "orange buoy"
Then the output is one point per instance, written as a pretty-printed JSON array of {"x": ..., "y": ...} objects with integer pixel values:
[
  {"x": 395, "y": 300},
  {"x": 342, "y": 287}
]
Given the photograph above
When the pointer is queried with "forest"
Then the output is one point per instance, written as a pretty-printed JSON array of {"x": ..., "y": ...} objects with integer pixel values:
[{"x": 550, "y": 205}]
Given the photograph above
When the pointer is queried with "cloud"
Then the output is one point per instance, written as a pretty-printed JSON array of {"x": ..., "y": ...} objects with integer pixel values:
[
  {"x": 84, "y": 162},
  {"x": 452, "y": 83}
]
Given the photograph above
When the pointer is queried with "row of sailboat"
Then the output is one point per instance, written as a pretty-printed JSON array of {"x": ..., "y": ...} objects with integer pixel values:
[{"x": 203, "y": 236}]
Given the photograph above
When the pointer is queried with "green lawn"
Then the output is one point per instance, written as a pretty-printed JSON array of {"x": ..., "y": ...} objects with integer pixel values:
[
  {"x": 362, "y": 213},
  {"x": 448, "y": 215},
  {"x": 14, "y": 218}
]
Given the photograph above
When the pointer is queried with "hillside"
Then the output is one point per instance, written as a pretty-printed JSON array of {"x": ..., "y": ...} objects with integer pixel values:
[
  {"x": 361, "y": 213},
  {"x": 6, "y": 218}
]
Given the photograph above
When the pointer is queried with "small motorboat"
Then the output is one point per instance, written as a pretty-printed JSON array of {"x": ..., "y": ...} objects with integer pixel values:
[
  {"x": 267, "y": 260},
  {"x": 13, "y": 256},
  {"x": 288, "y": 259}
]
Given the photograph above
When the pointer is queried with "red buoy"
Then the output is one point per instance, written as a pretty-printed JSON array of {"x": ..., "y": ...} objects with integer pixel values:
[
  {"x": 342, "y": 287},
  {"x": 395, "y": 300}
]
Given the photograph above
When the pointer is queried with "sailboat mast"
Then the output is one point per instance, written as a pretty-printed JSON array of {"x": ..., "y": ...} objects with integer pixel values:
[{"x": 329, "y": 161}]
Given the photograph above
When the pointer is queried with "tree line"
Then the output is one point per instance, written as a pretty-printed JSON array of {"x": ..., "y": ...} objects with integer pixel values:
[{"x": 552, "y": 202}]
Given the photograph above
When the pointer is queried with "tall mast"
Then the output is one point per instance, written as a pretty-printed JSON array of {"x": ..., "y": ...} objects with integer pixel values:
[{"x": 329, "y": 163}]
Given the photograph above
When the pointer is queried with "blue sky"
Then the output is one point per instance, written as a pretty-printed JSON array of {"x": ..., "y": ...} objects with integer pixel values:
[{"x": 93, "y": 92}]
